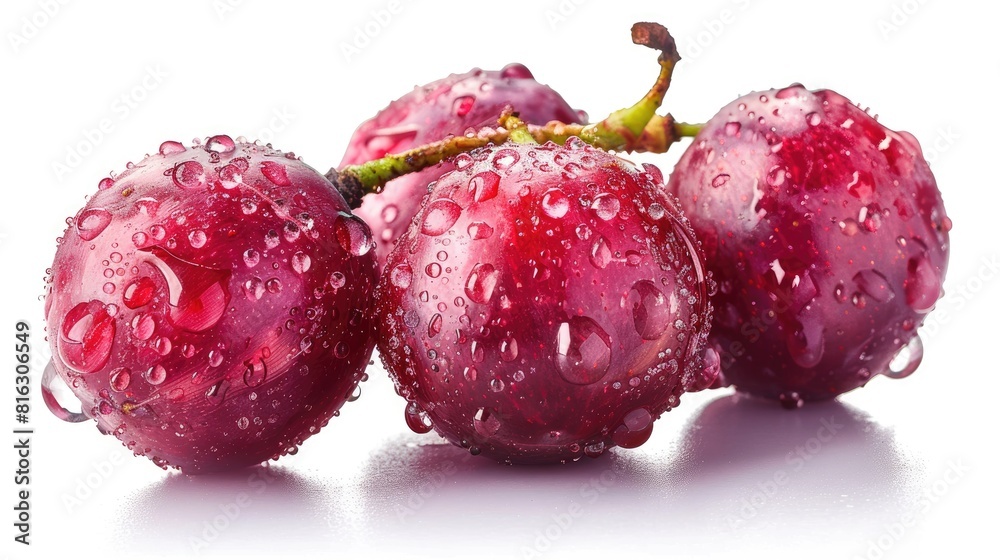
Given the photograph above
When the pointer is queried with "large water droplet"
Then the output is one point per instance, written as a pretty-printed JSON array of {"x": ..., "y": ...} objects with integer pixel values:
[
  {"x": 922, "y": 284},
  {"x": 634, "y": 430},
  {"x": 606, "y": 206},
  {"x": 217, "y": 392},
  {"x": 583, "y": 351},
  {"x": 482, "y": 281},
  {"x": 198, "y": 294},
  {"x": 555, "y": 203},
  {"x": 52, "y": 385},
  {"x": 873, "y": 283},
  {"x": 139, "y": 293},
  {"x": 170, "y": 147},
  {"x": 439, "y": 216},
  {"x": 275, "y": 172},
  {"x": 652, "y": 312},
  {"x": 462, "y": 105},
  {"x": 720, "y": 179},
  {"x": 353, "y": 234},
  {"x": 907, "y": 359},
  {"x": 508, "y": 349},
  {"x": 301, "y": 262},
  {"x": 401, "y": 276},
  {"x": 221, "y": 144},
  {"x": 484, "y": 186},
  {"x": 92, "y": 222},
  {"x": 600, "y": 253},
  {"x": 417, "y": 419},
  {"x": 120, "y": 378},
  {"x": 86, "y": 336},
  {"x": 156, "y": 375},
  {"x": 480, "y": 230},
  {"x": 189, "y": 175},
  {"x": 504, "y": 159},
  {"x": 486, "y": 422},
  {"x": 254, "y": 375}
]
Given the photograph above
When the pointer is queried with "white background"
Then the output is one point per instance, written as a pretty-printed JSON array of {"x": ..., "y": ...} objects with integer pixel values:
[{"x": 909, "y": 473}]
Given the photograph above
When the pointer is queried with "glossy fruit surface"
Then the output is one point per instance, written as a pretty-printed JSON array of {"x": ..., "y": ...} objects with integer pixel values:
[
  {"x": 430, "y": 113},
  {"x": 547, "y": 302},
  {"x": 207, "y": 305},
  {"x": 827, "y": 235}
]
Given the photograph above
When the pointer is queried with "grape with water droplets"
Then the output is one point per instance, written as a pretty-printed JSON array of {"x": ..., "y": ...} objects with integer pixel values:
[
  {"x": 208, "y": 305},
  {"x": 828, "y": 237},
  {"x": 547, "y": 302},
  {"x": 430, "y": 113}
]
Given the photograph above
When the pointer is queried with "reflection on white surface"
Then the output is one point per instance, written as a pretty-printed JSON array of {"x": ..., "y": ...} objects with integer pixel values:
[{"x": 739, "y": 472}]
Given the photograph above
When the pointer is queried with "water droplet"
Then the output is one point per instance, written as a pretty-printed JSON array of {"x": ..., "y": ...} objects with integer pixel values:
[
  {"x": 907, "y": 359},
  {"x": 255, "y": 374},
  {"x": 108, "y": 288},
  {"x": 462, "y": 161},
  {"x": 271, "y": 239},
  {"x": 230, "y": 177},
  {"x": 720, "y": 179},
  {"x": 217, "y": 392},
  {"x": 243, "y": 423},
  {"x": 600, "y": 253},
  {"x": 508, "y": 349},
  {"x": 873, "y": 283},
  {"x": 462, "y": 105},
  {"x": 301, "y": 262},
  {"x": 390, "y": 213},
  {"x": 496, "y": 385},
  {"x": 484, "y": 186},
  {"x": 776, "y": 176},
  {"x": 482, "y": 281},
  {"x": 806, "y": 343},
  {"x": 156, "y": 375},
  {"x": 652, "y": 313},
  {"x": 470, "y": 373},
  {"x": 90, "y": 223},
  {"x": 433, "y": 270},
  {"x": 253, "y": 288},
  {"x": 221, "y": 144},
  {"x": 922, "y": 284},
  {"x": 606, "y": 205},
  {"x": 197, "y": 238},
  {"x": 215, "y": 358},
  {"x": 139, "y": 239},
  {"x": 790, "y": 400},
  {"x": 86, "y": 337},
  {"x": 120, "y": 378},
  {"x": 337, "y": 280},
  {"x": 353, "y": 234},
  {"x": 656, "y": 211},
  {"x": 813, "y": 119},
  {"x": 355, "y": 394},
  {"x": 273, "y": 286},
  {"x": 251, "y": 257},
  {"x": 162, "y": 345},
  {"x": 504, "y": 159},
  {"x": 732, "y": 128},
  {"x": 434, "y": 326},
  {"x": 635, "y": 429},
  {"x": 583, "y": 351},
  {"x": 486, "y": 422},
  {"x": 480, "y": 230},
  {"x": 143, "y": 326},
  {"x": 197, "y": 294},
  {"x": 555, "y": 203},
  {"x": 594, "y": 450},
  {"x": 417, "y": 419},
  {"x": 170, "y": 147},
  {"x": 401, "y": 276},
  {"x": 189, "y": 175},
  {"x": 275, "y": 172}
]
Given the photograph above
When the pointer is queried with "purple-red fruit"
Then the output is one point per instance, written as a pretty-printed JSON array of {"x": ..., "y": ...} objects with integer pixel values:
[
  {"x": 547, "y": 302},
  {"x": 827, "y": 235},
  {"x": 207, "y": 306},
  {"x": 433, "y": 112}
]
